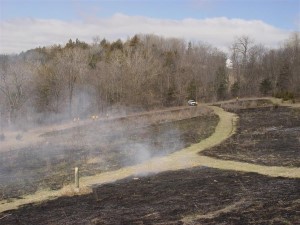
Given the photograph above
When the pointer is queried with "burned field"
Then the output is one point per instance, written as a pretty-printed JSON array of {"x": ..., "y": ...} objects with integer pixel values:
[
  {"x": 196, "y": 196},
  {"x": 95, "y": 148},
  {"x": 265, "y": 135},
  {"x": 200, "y": 195}
]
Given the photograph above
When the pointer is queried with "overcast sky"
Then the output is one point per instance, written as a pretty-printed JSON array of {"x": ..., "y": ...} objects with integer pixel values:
[{"x": 26, "y": 24}]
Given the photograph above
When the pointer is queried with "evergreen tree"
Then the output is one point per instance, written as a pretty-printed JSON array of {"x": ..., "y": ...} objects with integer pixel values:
[
  {"x": 235, "y": 89},
  {"x": 192, "y": 90},
  {"x": 170, "y": 96},
  {"x": 221, "y": 82},
  {"x": 134, "y": 41},
  {"x": 283, "y": 81},
  {"x": 265, "y": 86}
]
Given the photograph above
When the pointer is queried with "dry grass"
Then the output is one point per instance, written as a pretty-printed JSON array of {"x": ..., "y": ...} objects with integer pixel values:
[
  {"x": 94, "y": 160},
  {"x": 70, "y": 190}
]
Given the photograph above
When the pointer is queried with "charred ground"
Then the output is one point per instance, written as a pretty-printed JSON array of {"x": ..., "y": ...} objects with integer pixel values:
[
  {"x": 266, "y": 135},
  {"x": 197, "y": 196}
]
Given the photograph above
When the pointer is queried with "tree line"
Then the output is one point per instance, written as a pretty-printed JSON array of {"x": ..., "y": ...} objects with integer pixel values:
[{"x": 144, "y": 72}]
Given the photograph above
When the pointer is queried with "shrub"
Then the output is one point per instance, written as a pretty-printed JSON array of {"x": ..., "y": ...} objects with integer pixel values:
[
  {"x": 265, "y": 86},
  {"x": 235, "y": 88},
  {"x": 275, "y": 106},
  {"x": 285, "y": 95}
]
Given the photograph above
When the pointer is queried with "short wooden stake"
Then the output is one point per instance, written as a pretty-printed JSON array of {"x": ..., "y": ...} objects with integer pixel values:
[{"x": 76, "y": 178}]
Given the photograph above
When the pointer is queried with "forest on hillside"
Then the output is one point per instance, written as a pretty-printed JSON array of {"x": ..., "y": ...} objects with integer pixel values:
[{"x": 144, "y": 72}]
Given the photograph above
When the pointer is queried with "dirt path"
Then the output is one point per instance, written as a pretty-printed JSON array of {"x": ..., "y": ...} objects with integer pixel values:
[{"x": 186, "y": 158}]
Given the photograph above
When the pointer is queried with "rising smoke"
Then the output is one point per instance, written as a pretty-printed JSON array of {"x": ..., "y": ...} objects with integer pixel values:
[{"x": 45, "y": 154}]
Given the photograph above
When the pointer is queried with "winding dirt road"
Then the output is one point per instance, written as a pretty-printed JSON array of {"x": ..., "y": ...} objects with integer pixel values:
[{"x": 184, "y": 159}]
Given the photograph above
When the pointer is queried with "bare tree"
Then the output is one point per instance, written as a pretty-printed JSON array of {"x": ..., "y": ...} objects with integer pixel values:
[
  {"x": 240, "y": 50},
  {"x": 144, "y": 71},
  {"x": 72, "y": 66},
  {"x": 292, "y": 52},
  {"x": 48, "y": 88},
  {"x": 243, "y": 57},
  {"x": 14, "y": 84}
]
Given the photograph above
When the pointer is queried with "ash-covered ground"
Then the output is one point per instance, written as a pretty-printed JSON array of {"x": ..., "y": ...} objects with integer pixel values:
[
  {"x": 266, "y": 135},
  {"x": 196, "y": 196}
]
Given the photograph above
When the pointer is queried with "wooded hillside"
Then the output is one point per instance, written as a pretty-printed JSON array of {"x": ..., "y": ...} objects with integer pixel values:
[{"x": 144, "y": 72}]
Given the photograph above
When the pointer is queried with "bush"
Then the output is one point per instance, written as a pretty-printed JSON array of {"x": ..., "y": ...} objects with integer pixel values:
[
  {"x": 265, "y": 86},
  {"x": 235, "y": 88},
  {"x": 285, "y": 95},
  {"x": 275, "y": 106}
]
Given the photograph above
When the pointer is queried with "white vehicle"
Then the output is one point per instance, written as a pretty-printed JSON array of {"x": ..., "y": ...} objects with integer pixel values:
[{"x": 192, "y": 103}]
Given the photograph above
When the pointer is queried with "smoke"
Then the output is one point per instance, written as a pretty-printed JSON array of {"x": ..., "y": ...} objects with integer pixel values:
[
  {"x": 159, "y": 142},
  {"x": 53, "y": 144},
  {"x": 140, "y": 152}
]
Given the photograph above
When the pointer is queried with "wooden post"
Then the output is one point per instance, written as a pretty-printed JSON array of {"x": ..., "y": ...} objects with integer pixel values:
[{"x": 76, "y": 178}]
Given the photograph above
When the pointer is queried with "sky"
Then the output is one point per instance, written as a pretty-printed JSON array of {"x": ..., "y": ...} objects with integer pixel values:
[{"x": 27, "y": 24}]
